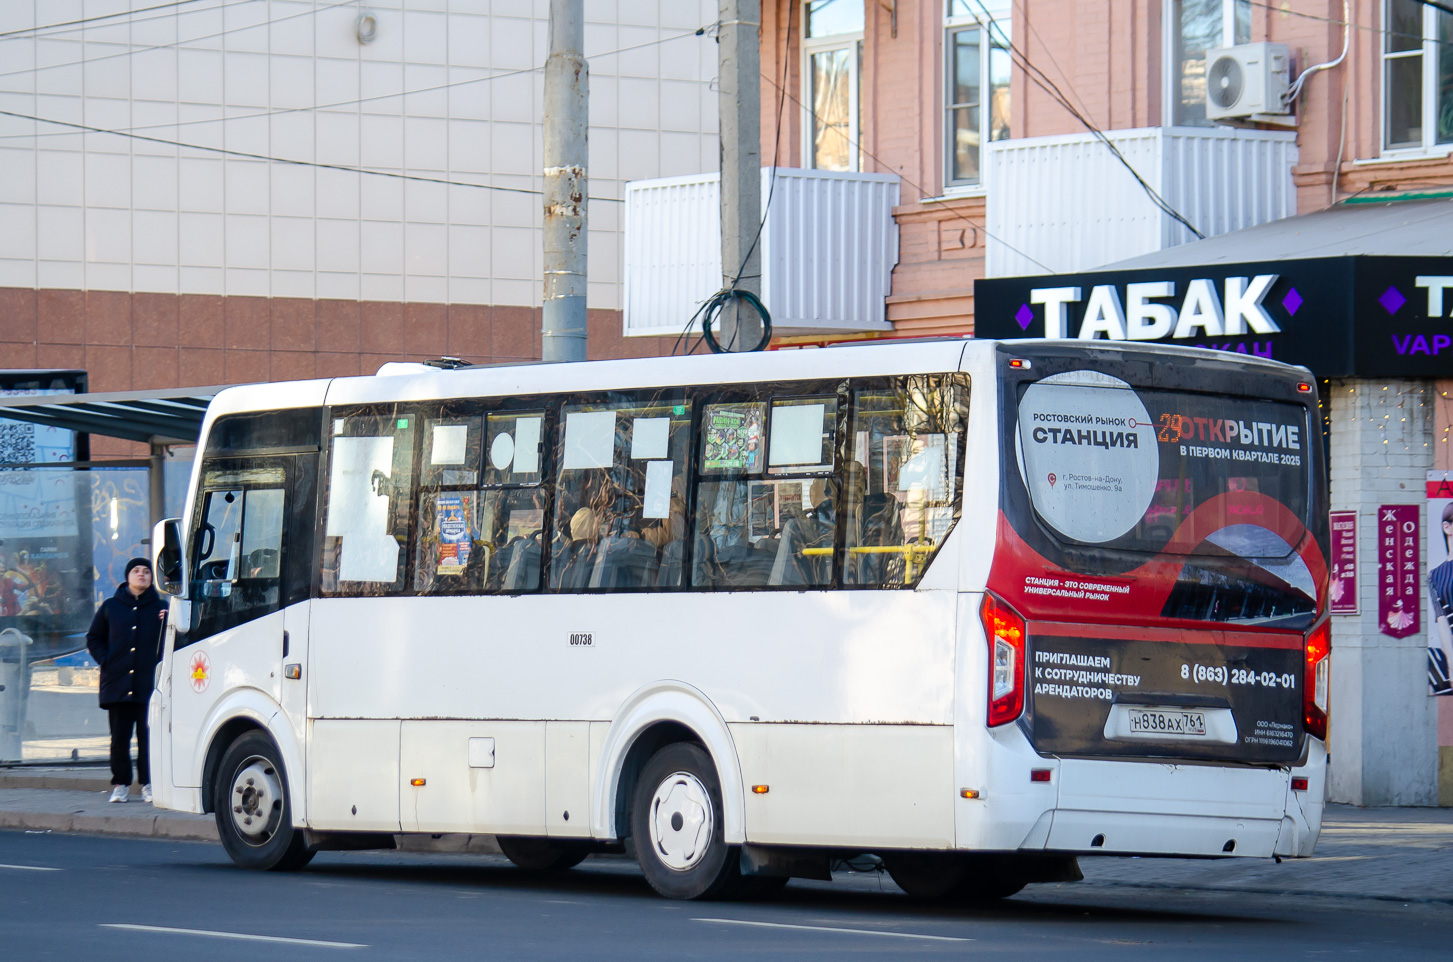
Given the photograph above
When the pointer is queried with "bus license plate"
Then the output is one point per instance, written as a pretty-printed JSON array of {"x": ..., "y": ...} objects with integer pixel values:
[{"x": 1160, "y": 723}]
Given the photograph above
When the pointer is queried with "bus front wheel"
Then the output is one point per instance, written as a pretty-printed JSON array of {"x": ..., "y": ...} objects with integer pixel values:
[
  {"x": 676, "y": 819},
  {"x": 254, "y": 817}
]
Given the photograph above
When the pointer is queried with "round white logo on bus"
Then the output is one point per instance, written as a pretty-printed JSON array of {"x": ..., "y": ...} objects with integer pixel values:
[{"x": 1089, "y": 454}]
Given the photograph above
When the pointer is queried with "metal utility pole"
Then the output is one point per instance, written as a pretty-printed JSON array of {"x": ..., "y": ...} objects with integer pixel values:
[
  {"x": 739, "y": 66},
  {"x": 567, "y": 86}
]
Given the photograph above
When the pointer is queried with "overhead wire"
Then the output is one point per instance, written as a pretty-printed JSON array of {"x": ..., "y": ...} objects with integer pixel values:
[
  {"x": 922, "y": 191},
  {"x": 149, "y": 48},
  {"x": 1048, "y": 52},
  {"x": 1286, "y": 10},
  {"x": 103, "y": 16},
  {"x": 1043, "y": 81},
  {"x": 247, "y": 155},
  {"x": 711, "y": 308},
  {"x": 364, "y": 100}
]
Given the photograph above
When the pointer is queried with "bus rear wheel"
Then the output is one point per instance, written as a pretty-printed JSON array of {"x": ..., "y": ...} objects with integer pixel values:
[
  {"x": 677, "y": 824},
  {"x": 953, "y": 877},
  {"x": 541, "y": 854},
  {"x": 254, "y": 816}
]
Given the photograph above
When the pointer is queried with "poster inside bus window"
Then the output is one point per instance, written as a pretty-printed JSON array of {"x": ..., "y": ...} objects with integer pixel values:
[
  {"x": 733, "y": 441},
  {"x": 455, "y": 532}
]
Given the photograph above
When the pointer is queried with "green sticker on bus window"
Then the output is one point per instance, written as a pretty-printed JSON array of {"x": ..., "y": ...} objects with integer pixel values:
[
  {"x": 679, "y": 409},
  {"x": 403, "y": 423}
]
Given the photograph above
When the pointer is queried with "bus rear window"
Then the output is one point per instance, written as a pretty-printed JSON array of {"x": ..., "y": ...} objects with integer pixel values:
[{"x": 1164, "y": 471}]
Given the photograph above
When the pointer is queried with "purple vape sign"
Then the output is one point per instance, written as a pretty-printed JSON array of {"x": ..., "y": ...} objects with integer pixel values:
[
  {"x": 1344, "y": 563},
  {"x": 1397, "y": 569}
]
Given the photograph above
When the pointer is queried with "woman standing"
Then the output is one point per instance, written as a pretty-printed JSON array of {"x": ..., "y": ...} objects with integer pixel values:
[{"x": 125, "y": 640}]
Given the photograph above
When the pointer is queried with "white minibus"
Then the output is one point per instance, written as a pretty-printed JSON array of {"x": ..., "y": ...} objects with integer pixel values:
[{"x": 975, "y": 608}]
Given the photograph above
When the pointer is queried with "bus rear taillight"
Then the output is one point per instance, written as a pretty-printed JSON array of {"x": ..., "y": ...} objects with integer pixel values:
[
  {"x": 1005, "y": 631},
  {"x": 1319, "y": 669}
]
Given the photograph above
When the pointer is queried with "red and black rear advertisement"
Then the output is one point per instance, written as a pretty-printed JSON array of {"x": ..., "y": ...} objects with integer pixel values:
[{"x": 1157, "y": 534}]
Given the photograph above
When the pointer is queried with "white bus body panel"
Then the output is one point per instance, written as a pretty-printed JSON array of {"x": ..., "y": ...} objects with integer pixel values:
[
  {"x": 887, "y": 786},
  {"x": 353, "y": 780},
  {"x": 218, "y": 670},
  {"x": 844, "y": 657}
]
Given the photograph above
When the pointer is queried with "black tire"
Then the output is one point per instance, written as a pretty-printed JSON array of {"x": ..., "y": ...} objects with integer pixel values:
[
  {"x": 254, "y": 815},
  {"x": 946, "y": 876},
  {"x": 541, "y": 854},
  {"x": 683, "y": 859}
]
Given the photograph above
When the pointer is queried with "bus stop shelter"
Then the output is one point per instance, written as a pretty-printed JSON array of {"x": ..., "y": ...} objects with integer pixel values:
[{"x": 67, "y": 525}]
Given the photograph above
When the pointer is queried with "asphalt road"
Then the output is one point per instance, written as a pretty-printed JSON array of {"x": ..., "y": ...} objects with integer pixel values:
[{"x": 76, "y": 897}]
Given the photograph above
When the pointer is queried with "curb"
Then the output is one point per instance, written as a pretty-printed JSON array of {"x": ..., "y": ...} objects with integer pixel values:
[
  {"x": 152, "y": 826},
  {"x": 66, "y": 782},
  {"x": 201, "y": 828},
  {"x": 1284, "y": 893}
]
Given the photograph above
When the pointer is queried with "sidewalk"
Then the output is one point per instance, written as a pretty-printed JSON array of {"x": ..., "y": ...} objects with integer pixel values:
[{"x": 1387, "y": 854}]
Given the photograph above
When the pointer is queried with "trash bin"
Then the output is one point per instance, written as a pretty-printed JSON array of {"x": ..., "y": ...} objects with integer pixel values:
[{"x": 14, "y": 689}]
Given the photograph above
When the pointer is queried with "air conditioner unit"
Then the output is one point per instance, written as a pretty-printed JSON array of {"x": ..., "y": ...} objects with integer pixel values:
[{"x": 1246, "y": 82}]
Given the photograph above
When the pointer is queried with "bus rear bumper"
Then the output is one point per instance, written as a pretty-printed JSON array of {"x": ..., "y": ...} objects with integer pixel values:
[
  {"x": 1146, "y": 808},
  {"x": 1143, "y": 833}
]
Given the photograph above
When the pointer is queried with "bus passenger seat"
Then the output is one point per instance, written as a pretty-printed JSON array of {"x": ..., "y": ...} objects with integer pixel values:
[
  {"x": 624, "y": 563},
  {"x": 523, "y": 573},
  {"x": 668, "y": 573}
]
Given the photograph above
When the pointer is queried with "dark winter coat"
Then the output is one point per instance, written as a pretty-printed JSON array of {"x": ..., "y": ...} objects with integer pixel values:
[{"x": 125, "y": 640}]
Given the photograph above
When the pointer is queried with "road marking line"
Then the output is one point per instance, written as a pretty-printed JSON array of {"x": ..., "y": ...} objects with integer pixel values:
[
  {"x": 233, "y": 935},
  {"x": 829, "y": 928},
  {"x": 30, "y": 868}
]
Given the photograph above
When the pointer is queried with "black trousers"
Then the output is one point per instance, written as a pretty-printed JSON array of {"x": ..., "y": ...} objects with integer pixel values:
[{"x": 124, "y": 716}]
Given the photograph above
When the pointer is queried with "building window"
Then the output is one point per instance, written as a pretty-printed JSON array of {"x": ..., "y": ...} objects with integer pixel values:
[
  {"x": 1417, "y": 67},
  {"x": 1194, "y": 27},
  {"x": 976, "y": 89},
  {"x": 833, "y": 50}
]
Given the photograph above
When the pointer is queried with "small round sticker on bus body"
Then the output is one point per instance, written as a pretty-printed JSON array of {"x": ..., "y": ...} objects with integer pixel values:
[
  {"x": 201, "y": 671},
  {"x": 502, "y": 451}
]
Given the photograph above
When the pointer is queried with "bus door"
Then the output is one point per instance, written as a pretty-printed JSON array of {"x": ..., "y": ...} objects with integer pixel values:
[{"x": 249, "y": 553}]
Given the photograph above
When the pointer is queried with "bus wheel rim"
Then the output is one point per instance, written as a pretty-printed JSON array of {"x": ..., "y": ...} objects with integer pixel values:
[
  {"x": 681, "y": 821},
  {"x": 256, "y": 800}
]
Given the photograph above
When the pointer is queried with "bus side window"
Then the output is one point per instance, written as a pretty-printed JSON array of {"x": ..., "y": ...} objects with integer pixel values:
[
  {"x": 902, "y": 494},
  {"x": 370, "y": 502},
  {"x": 766, "y": 496},
  {"x": 449, "y": 554},
  {"x": 620, "y": 505},
  {"x": 514, "y": 499}
]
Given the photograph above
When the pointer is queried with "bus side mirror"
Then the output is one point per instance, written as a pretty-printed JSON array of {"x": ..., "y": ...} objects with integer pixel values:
[{"x": 170, "y": 573}]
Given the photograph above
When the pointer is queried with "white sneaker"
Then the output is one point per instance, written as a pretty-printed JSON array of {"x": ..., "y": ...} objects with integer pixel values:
[
  {"x": 120, "y": 793},
  {"x": 146, "y": 793}
]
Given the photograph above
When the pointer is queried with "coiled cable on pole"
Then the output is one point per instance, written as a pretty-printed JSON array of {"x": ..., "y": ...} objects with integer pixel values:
[{"x": 712, "y": 308}]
